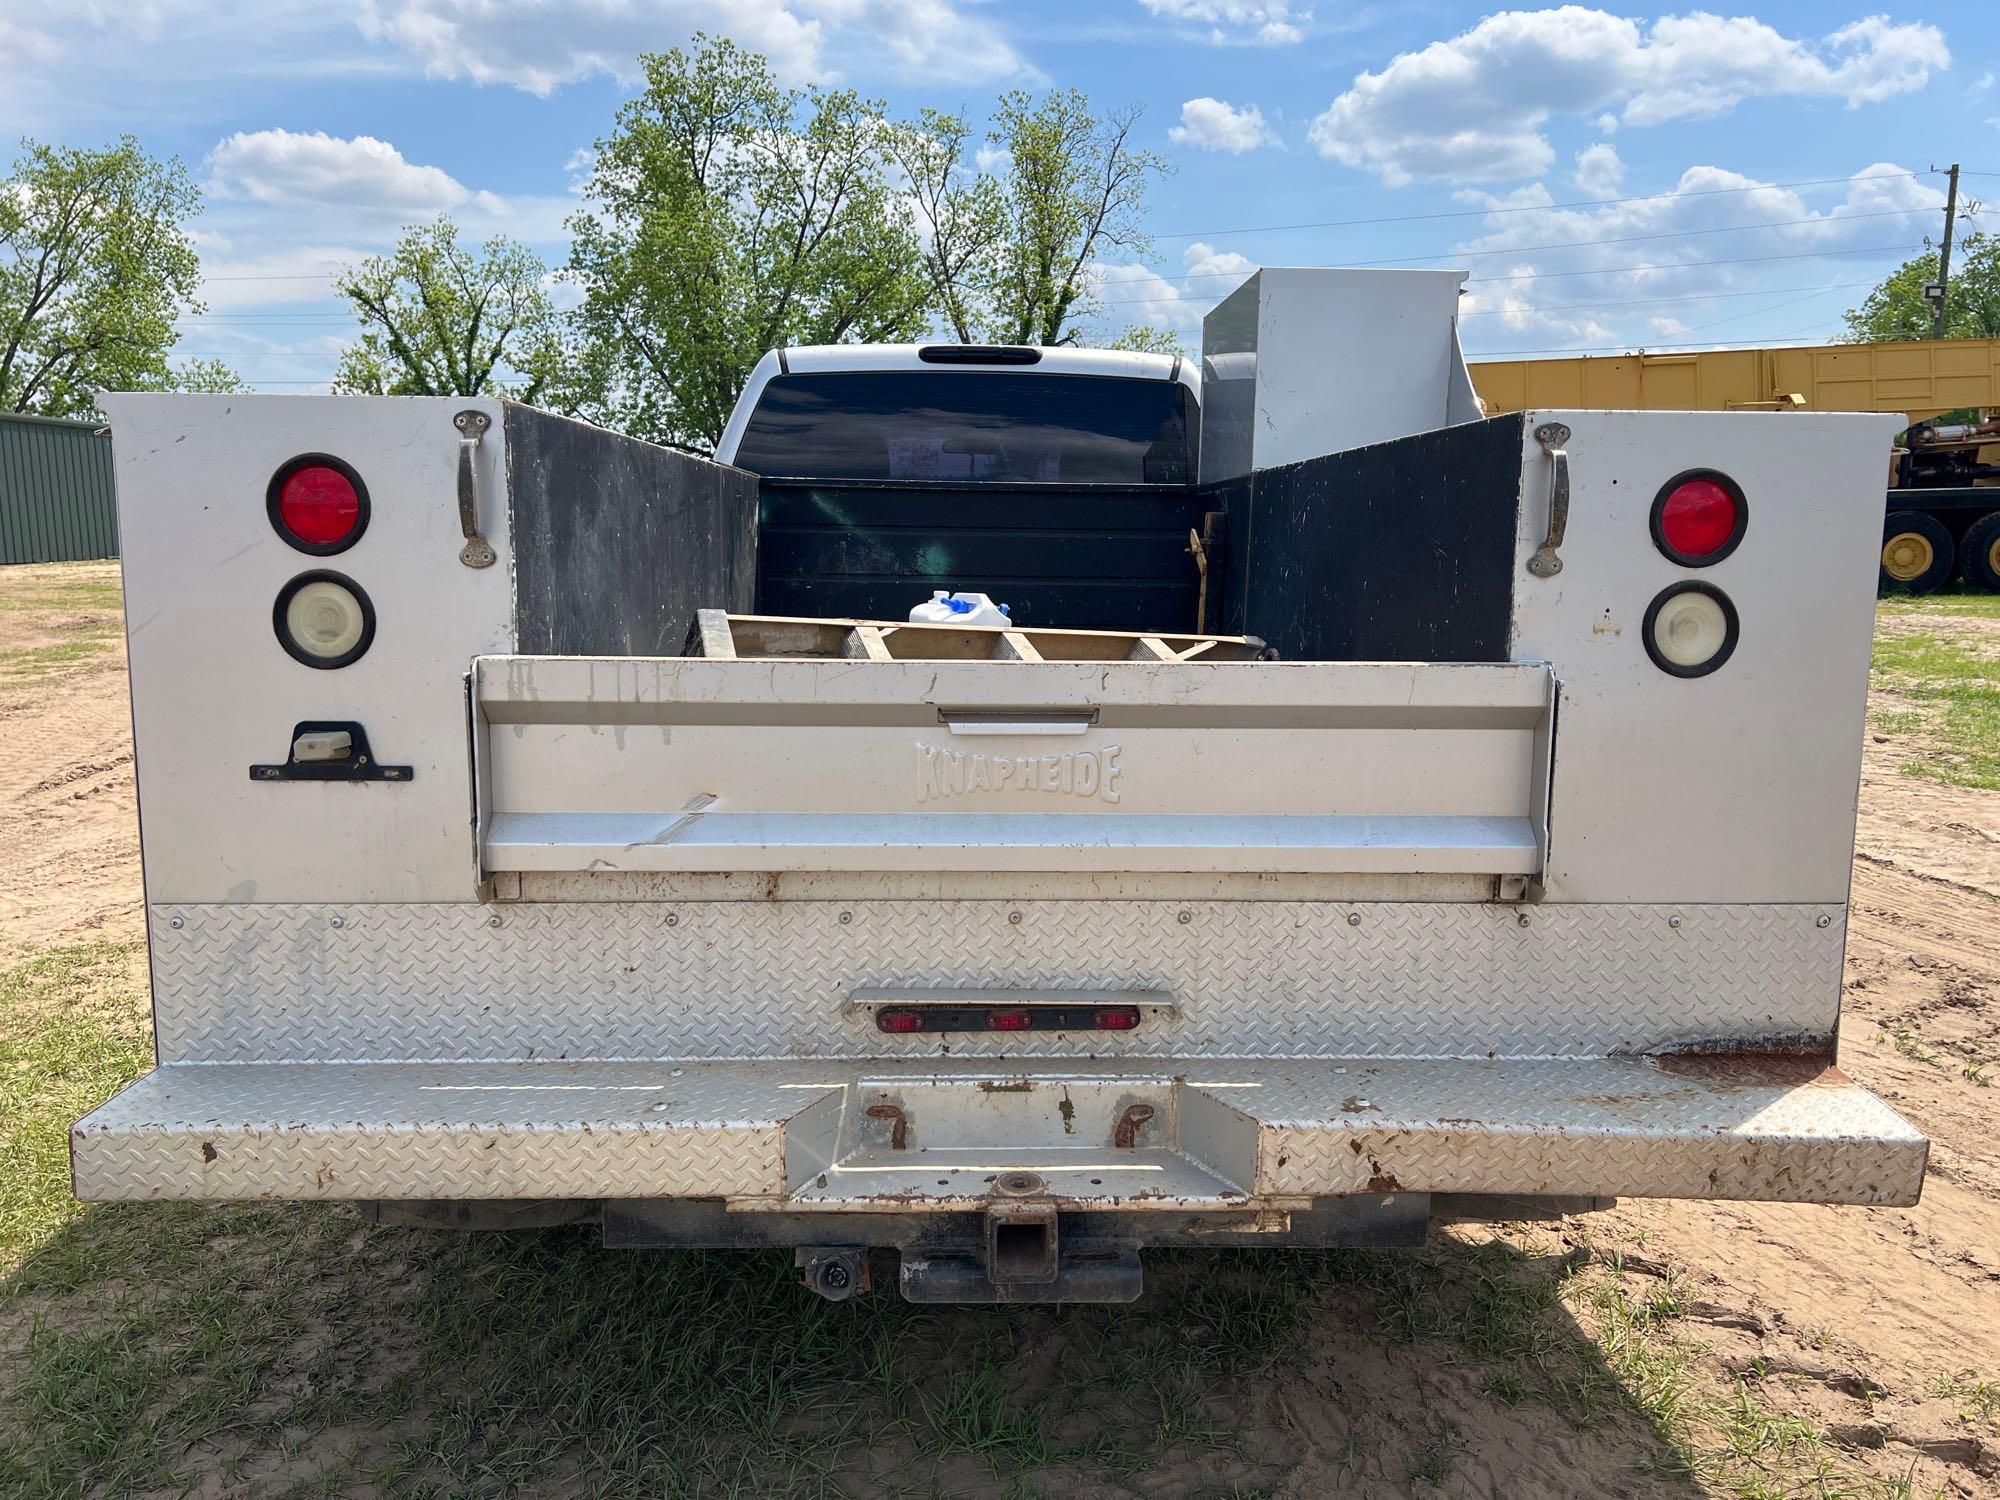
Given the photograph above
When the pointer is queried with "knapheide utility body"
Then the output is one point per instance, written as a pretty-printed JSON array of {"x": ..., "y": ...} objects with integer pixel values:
[{"x": 486, "y": 883}]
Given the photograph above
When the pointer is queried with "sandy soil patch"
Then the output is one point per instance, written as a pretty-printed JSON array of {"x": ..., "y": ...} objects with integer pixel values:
[{"x": 68, "y": 806}]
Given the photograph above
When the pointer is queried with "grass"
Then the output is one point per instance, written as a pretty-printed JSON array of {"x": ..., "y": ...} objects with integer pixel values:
[
  {"x": 86, "y": 602},
  {"x": 1947, "y": 695},
  {"x": 69, "y": 588},
  {"x": 1978, "y": 1400},
  {"x": 1966, "y": 605},
  {"x": 145, "y": 1346},
  {"x": 1972, "y": 1066},
  {"x": 37, "y": 661},
  {"x": 288, "y": 1349},
  {"x": 72, "y": 1031}
]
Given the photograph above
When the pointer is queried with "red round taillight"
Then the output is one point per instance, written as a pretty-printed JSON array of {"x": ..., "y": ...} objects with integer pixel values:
[
  {"x": 1699, "y": 517},
  {"x": 318, "y": 504}
]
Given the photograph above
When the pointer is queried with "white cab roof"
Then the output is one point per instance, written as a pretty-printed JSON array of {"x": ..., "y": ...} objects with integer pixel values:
[{"x": 810, "y": 359}]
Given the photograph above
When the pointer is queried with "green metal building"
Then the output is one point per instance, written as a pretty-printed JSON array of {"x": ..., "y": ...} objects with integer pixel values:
[{"x": 56, "y": 502}]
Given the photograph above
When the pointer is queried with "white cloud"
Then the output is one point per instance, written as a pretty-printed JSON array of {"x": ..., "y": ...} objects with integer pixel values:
[
  {"x": 361, "y": 173},
  {"x": 1472, "y": 107},
  {"x": 1715, "y": 231},
  {"x": 1215, "y": 125},
  {"x": 1132, "y": 294},
  {"x": 26, "y": 45},
  {"x": 994, "y": 161},
  {"x": 1269, "y": 23},
  {"x": 375, "y": 188},
  {"x": 1599, "y": 172},
  {"x": 539, "y": 47}
]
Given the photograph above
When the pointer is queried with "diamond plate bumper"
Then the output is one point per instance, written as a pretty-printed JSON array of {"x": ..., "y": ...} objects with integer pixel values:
[{"x": 801, "y": 1135}]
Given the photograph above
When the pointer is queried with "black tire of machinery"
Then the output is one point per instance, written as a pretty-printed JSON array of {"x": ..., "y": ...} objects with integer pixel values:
[
  {"x": 1975, "y": 553},
  {"x": 1943, "y": 553}
]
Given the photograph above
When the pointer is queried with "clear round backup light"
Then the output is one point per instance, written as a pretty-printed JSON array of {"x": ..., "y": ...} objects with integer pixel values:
[
  {"x": 324, "y": 620},
  {"x": 1690, "y": 629}
]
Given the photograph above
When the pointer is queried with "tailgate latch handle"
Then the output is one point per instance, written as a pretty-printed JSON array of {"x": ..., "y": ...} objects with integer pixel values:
[
  {"x": 477, "y": 551},
  {"x": 1552, "y": 436}
]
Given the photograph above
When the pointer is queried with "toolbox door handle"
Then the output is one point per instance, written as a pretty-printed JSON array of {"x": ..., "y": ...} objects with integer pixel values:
[
  {"x": 1033, "y": 721},
  {"x": 1552, "y": 436},
  {"x": 477, "y": 551}
]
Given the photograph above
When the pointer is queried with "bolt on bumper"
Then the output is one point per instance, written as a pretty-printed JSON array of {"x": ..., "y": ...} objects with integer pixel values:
[{"x": 930, "y": 1136}]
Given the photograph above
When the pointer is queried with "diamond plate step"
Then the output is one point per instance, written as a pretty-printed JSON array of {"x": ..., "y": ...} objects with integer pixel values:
[{"x": 761, "y": 1133}]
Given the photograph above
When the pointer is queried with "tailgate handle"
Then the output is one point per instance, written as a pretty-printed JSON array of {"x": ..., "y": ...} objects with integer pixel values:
[
  {"x": 1025, "y": 721},
  {"x": 1552, "y": 436},
  {"x": 477, "y": 551}
]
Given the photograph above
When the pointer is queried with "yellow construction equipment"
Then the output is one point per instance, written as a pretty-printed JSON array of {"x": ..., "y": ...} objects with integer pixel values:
[{"x": 1921, "y": 378}]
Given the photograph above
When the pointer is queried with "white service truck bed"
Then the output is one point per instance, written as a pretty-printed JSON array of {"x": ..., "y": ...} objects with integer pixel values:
[{"x": 1231, "y": 951}]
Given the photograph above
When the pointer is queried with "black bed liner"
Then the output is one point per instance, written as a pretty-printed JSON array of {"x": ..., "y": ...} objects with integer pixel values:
[{"x": 1401, "y": 551}]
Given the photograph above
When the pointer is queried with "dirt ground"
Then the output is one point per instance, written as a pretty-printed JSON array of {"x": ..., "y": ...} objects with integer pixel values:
[
  {"x": 1871, "y": 1325},
  {"x": 68, "y": 817}
]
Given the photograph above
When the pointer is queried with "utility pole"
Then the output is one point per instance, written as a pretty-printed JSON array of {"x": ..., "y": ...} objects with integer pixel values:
[{"x": 1943, "y": 283}]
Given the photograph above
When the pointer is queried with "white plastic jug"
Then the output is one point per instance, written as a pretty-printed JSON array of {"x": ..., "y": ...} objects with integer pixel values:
[{"x": 959, "y": 609}]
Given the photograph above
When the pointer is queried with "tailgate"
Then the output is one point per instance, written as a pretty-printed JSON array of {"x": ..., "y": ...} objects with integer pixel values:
[{"x": 672, "y": 764}]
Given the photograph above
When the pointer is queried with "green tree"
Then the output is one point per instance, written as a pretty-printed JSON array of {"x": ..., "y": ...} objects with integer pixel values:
[
  {"x": 730, "y": 216},
  {"x": 95, "y": 267},
  {"x": 442, "y": 320},
  {"x": 1148, "y": 338},
  {"x": 1075, "y": 188},
  {"x": 207, "y": 377},
  {"x": 961, "y": 212},
  {"x": 1897, "y": 310}
]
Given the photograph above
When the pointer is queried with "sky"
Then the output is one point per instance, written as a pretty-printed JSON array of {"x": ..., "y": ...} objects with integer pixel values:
[{"x": 1610, "y": 179}]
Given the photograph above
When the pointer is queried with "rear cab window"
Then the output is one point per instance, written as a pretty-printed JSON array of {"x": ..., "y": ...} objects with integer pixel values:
[{"x": 1025, "y": 427}]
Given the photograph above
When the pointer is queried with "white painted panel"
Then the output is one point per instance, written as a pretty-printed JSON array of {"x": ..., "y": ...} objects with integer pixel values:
[
  {"x": 1131, "y": 771},
  {"x": 1299, "y": 363},
  {"x": 658, "y": 764},
  {"x": 1741, "y": 785},
  {"x": 212, "y": 690}
]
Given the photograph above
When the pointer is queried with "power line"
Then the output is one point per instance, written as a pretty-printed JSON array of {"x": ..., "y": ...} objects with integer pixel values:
[
  {"x": 1755, "y": 312},
  {"x": 1629, "y": 348},
  {"x": 1542, "y": 208},
  {"x": 1485, "y": 312},
  {"x": 1628, "y": 239},
  {"x": 1679, "y": 265},
  {"x": 1686, "y": 265},
  {"x": 1633, "y": 239},
  {"x": 279, "y": 276},
  {"x": 1771, "y": 291},
  {"x": 1457, "y": 213}
]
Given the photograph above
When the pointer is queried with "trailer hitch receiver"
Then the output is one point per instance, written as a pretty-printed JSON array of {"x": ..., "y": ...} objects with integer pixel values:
[{"x": 1022, "y": 1243}]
